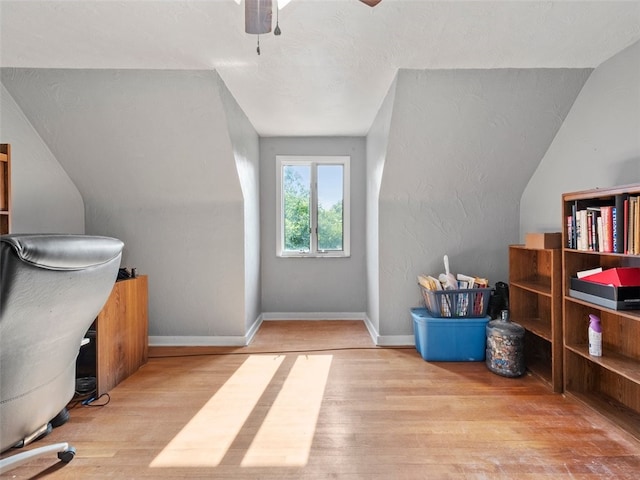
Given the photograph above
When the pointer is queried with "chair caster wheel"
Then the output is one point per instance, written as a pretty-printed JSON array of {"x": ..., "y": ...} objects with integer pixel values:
[
  {"x": 67, "y": 455},
  {"x": 61, "y": 418}
]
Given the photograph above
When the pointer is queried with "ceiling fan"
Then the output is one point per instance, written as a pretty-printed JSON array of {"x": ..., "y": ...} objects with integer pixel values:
[{"x": 258, "y": 14}]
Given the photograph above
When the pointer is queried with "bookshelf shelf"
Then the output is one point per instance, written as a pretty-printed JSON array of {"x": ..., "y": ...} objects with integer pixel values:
[
  {"x": 535, "y": 303},
  {"x": 611, "y": 360},
  {"x": 537, "y": 326},
  {"x": 537, "y": 286},
  {"x": 615, "y": 411},
  {"x": 611, "y": 383}
]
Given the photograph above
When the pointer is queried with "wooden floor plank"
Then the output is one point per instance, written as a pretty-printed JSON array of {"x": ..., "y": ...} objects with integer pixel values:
[{"x": 384, "y": 414}]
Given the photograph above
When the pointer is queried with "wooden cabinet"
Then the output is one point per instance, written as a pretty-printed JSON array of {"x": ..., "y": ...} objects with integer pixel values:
[
  {"x": 5, "y": 188},
  {"x": 121, "y": 333},
  {"x": 535, "y": 302},
  {"x": 610, "y": 383}
]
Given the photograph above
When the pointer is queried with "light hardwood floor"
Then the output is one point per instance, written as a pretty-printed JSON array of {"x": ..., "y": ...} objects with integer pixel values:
[{"x": 378, "y": 414}]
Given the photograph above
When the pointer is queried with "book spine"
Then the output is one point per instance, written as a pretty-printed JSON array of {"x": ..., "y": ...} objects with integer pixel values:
[
  {"x": 619, "y": 225},
  {"x": 584, "y": 231},
  {"x": 614, "y": 231},
  {"x": 600, "y": 246},
  {"x": 578, "y": 230},
  {"x": 637, "y": 228},
  {"x": 607, "y": 228},
  {"x": 591, "y": 229},
  {"x": 631, "y": 232},
  {"x": 625, "y": 233},
  {"x": 574, "y": 212}
]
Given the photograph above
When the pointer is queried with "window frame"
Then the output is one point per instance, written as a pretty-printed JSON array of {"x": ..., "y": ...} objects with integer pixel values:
[{"x": 313, "y": 161}]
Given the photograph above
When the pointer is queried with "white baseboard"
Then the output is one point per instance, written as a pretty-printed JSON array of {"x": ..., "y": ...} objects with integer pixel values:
[
  {"x": 253, "y": 330},
  {"x": 207, "y": 341},
  {"x": 396, "y": 340},
  {"x": 388, "y": 340},
  {"x": 313, "y": 316},
  {"x": 197, "y": 341},
  {"x": 243, "y": 340},
  {"x": 372, "y": 330}
]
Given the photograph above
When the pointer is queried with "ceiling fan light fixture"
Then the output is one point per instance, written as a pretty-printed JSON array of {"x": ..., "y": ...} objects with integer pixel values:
[{"x": 257, "y": 16}]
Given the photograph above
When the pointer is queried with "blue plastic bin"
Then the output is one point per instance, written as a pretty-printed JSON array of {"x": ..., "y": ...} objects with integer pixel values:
[{"x": 449, "y": 339}]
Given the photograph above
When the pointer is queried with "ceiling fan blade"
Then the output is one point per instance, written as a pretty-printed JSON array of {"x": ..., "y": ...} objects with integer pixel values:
[{"x": 371, "y": 3}]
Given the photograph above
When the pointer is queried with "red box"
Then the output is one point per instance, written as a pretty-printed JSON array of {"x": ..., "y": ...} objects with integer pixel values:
[{"x": 618, "y": 277}]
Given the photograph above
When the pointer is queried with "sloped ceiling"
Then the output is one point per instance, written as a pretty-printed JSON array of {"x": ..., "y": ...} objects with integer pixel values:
[{"x": 329, "y": 71}]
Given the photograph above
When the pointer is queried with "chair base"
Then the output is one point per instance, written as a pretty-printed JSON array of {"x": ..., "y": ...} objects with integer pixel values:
[{"x": 65, "y": 453}]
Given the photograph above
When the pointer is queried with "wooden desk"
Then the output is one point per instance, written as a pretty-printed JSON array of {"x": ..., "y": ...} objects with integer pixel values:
[{"x": 122, "y": 333}]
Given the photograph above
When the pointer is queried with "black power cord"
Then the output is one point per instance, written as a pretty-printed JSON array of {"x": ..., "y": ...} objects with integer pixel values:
[
  {"x": 85, "y": 393},
  {"x": 282, "y": 352}
]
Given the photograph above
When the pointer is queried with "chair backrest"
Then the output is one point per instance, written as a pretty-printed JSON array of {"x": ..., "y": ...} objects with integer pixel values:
[{"x": 52, "y": 287}]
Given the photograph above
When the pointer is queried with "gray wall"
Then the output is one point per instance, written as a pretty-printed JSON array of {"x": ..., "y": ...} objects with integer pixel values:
[
  {"x": 312, "y": 285},
  {"x": 44, "y": 199},
  {"x": 597, "y": 146},
  {"x": 169, "y": 163},
  {"x": 462, "y": 147},
  {"x": 152, "y": 155},
  {"x": 244, "y": 140},
  {"x": 377, "y": 142}
]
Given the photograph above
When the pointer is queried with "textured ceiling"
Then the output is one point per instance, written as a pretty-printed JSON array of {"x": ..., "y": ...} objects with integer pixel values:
[{"x": 329, "y": 71}]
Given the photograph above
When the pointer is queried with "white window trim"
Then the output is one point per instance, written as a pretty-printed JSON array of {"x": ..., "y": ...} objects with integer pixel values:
[{"x": 282, "y": 161}]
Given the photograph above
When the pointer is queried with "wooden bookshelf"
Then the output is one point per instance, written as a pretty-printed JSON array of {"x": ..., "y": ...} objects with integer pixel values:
[
  {"x": 535, "y": 303},
  {"x": 610, "y": 383},
  {"x": 5, "y": 188}
]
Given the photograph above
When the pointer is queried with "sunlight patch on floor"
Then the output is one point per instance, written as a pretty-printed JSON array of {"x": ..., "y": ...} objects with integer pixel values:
[
  {"x": 286, "y": 435},
  {"x": 204, "y": 441}
]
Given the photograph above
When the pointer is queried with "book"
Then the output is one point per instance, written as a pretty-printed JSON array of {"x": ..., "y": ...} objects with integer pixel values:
[
  {"x": 625, "y": 229},
  {"x": 614, "y": 228},
  {"x": 591, "y": 271},
  {"x": 636, "y": 237},
  {"x": 591, "y": 228},
  {"x": 607, "y": 228},
  {"x": 619, "y": 227},
  {"x": 578, "y": 230},
  {"x": 631, "y": 229},
  {"x": 600, "y": 246},
  {"x": 570, "y": 231},
  {"x": 583, "y": 244}
]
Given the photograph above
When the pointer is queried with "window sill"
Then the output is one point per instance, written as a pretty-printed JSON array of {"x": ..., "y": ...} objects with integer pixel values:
[{"x": 314, "y": 255}]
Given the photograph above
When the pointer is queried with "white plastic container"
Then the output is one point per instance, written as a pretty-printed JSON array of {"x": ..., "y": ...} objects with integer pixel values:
[{"x": 595, "y": 336}]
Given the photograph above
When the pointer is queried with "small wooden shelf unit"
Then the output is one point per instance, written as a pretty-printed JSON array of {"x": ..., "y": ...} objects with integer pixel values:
[
  {"x": 535, "y": 295},
  {"x": 610, "y": 383}
]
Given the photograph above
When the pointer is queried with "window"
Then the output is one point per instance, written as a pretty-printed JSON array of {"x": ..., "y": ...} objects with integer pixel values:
[{"x": 313, "y": 206}]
